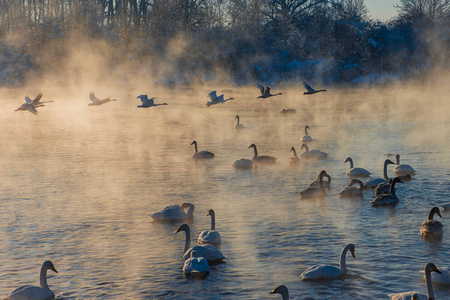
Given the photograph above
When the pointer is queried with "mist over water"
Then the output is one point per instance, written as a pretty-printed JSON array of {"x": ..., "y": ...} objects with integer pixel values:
[{"x": 78, "y": 184}]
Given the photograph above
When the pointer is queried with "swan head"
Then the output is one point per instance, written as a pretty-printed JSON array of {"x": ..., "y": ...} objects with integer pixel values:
[
  {"x": 49, "y": 266},
  {"x": 389, "y": 162},
  {"x": 435, "y": 210},
  {"x": 430, "y": 267},
  {"x": 194, "y": 142},
  {"x": 304, "y": 146},
  {"x": 307, "y": 127},
  {"x": 210, "y": 213},
  {"x": 186, "y": 205},
  {"x": 351, "y": 247},
  {"x": 183, "y": 227},
  {"x": 252, "y": 146},
  {"x": 237, "y": 117},
  {"x": 281, "y": 289},
  {"x": 292, "y": 149},
  {"x": 348, "y": 159},
  {"x": 396, "y": 180}
]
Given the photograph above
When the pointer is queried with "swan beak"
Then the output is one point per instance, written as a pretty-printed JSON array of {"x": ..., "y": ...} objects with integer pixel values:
[
  {"x": 436, "y": 270},
  {"x": 53, "y": 269},
  {"x": 352, "y": 250},
  {"x": 439, "y": 214}
]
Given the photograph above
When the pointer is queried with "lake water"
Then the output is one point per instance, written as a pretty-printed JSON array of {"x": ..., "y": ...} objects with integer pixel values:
[{"x": 78, "y": 184}]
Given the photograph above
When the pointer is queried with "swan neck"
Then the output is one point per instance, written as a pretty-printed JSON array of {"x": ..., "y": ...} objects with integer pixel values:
[
  {"x": 351, "y": 163},
  {"x": 342, "y": 264},
  {"x": 237, "y": 120},
  {"x": 385, "y": 174},
  {"x": 187, "y": 244},
  {"x": 431, "y": 214},
  {"x": 196, "y": 149},
  {"x": 190, "y": 212},
  {"x": 392, "y": 189},
  {"x": 306, "y": 130},
  {"x": 213, "y": 221},
  {"x": 256, "y": 152},
  {"x": 429, "y": 286},
  {"x": 43, "y": 277},
  {"x": 295, "y": 152},
  {"x": 306, "y": 148},
  {"x": 397, "y": 159}
]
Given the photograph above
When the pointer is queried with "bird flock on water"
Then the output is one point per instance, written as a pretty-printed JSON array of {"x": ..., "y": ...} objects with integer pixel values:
[{"x": 199, "y": 259}]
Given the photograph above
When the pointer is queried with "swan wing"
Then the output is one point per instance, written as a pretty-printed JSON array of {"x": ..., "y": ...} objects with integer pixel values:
[
  {"x": 196, "y": 265},
  {"x": 308, "y": 87},
  {"x": 373, "y": 183},
  {"x": 143, "y": 98},
  {"x": 212, "y": 95},
  {"x": 31, "y": 292},
  {"x": 321, "y": 272},
  {"x": 172, "y": 212},
  {"x": 209, "y": 252},
  {"x": 266, "y": 90},
  {"x": 443, "y": 278},
  {"x": 36, "y": 99},
  {"x": 94, "y": 99},
  {"x": 261, "y": 89},
  {"x": 28, "y": 100},
  {"x": 209, "y": 237},
  {"x": 151, "y": 101}
]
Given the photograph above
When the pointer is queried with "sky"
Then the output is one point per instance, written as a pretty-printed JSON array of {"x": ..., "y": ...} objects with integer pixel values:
[{"x": 382, "y": 9}]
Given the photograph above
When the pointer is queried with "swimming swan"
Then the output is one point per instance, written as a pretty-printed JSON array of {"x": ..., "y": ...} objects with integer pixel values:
[
  {"x": 351, "y": 191},
  {"x": 209, "y": 252},
  {"x": 196, "y": 266},
  {"x": 310, "y": 90},
  {"x": 374, "y": 182},
  {"x": 326, "y": 271},
  {"x": 440, "y": 278},
  {"x": 216, "y": 99},
  {"x": 148, "y": 102},
  {"x": 29, "y": 292},
  {"x": 429, "y": 267},
  {"x": 356, "y": 172},
  {"x": 325, "y": 183},
  {"x": 432, "y": 229},
  {"x": 390, "y": 198},
  {"x": 174, "y": 213},
  {"x": 283, "y": 290},
  {"x": 314, "y": 191},
  {"x": 238, "y": 125},
  {"x": 97, "y": 102},
  {"x": 264, "y": 159},
  {"x": 265, "y": 91},
  {"x": 243, "y": 163},
  {"x": 210, "y": 236},
  {"x": 402, "y": 169},
  {"x": 312, "y": 154},
  {"x": 294, "y": 160},
  {"x": 306, "y": 138},
  {"x": 201, "y": 154}
]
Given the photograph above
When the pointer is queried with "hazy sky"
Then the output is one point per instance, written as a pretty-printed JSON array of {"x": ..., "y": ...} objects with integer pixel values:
[{"x": 381, "y": 9}]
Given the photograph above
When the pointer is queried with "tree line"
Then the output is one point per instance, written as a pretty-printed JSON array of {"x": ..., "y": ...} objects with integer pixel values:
[{"x": 250, "y": 39}]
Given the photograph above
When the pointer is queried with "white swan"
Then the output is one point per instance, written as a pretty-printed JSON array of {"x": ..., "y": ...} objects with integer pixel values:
[
  {"x": 315, "y": 191},
  {"x": 306, "y": 138},
  {"x": 96, "y": 102},
  {"x": 242, "y": 163},
  {"x": 264, "y": 159},
  {"x": 265, "y": 91},
  {"x": 211, "y": 253},
  {"x": 238, "y": 125},
  {"x": 356, "y": 172},
  {"x": 374, "y": 182},
  {"x": 351, "y": 191},
  {"x": 148, "y": 102},
  {"x": 326, "y": 271},
  {"x": 429, "y": 267},
  {"x": 390, "y": 198},
  {"x": 201, "y": 154},
  {"x": 432, "y": 229},
  {"x": 174, "y": 213},
  {"x": 282, "y": 290},
  {"x": 310, "y": 90},
  {"x": 210, "y": 236},
  {"x": 29, "y": 292},
  {"x": 216, "y": 99},
  {"x": 325, "y": 184},
  {"x": 402, "y": 169},
  {"x": 440, "y": 278},
  {"x": 294, "y": 160},
  {"x": 312, "y": 154},
  {"x": 196, "y": 266}
]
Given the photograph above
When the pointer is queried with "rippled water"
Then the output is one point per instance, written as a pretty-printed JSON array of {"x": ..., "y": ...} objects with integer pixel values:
[{"x": 78, "y": 184}]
